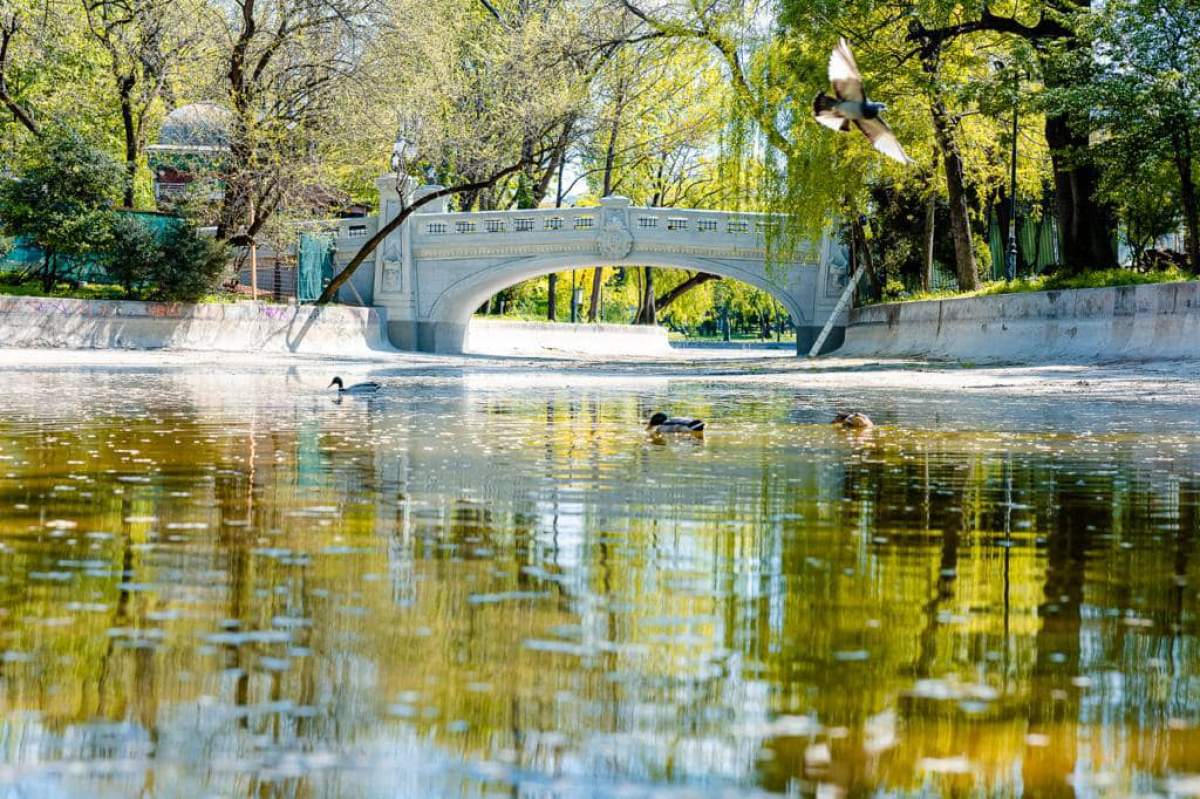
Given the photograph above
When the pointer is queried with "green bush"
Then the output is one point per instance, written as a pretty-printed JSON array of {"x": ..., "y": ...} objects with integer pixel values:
[
  {"x": 133, "y": 255},
  {"x": 191, "y": 265},
  {"x": 178, "y": 264},
  {"x": 62, "y": 199}
]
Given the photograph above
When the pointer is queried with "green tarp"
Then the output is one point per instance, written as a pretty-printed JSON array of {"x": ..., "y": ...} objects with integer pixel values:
[
  {"x": 25, "y": 256},
  {"x": 1037, "y": 242},
  {"x": 315, "y": 265}
]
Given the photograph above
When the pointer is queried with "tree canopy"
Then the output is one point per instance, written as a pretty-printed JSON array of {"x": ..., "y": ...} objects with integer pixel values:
[{"x": 519, "y": 103}]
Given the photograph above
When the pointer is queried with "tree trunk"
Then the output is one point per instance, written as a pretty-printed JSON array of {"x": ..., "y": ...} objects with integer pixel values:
[
  {"x": 647, "y": 307},
  {"x": 597, "y": 286},
  {"x": 1181, "y": 142},
  {"x": 48, "y": 270},
  {"x": 610, "y": 157},
  {"x": 551, "y": 298},
  {"x": 960, "y": 220},
  {"x": 129, "y": 128},
  {"x": 368, "y": 247},
  {"x": 927, "y": 253},
  {"x": 698, "y": 279},
  {"x": 1085, "y": 224}
]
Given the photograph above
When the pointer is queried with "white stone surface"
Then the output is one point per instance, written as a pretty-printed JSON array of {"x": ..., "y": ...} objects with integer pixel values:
[
  {"x": 503, "y": 337},
  {"x": 1150, "y": 322},
  {"x": 240, "y": 327}
]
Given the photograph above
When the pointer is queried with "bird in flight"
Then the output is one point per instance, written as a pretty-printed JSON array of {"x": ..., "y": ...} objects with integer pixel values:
[{"x": 852, "y": 106}]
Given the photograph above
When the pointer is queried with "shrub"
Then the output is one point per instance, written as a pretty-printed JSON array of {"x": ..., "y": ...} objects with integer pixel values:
[
  {"x": 133, "y": 255},
  {"x": 191, "y": 264},
  {"x": 61, "y": 199}
]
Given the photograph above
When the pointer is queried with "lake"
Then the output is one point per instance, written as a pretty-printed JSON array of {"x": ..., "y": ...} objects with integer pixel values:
[{"x": 478, "y": 583}]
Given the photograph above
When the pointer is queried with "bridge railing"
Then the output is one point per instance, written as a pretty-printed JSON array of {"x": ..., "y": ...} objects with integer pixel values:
[{"x": 719, "y": 228}]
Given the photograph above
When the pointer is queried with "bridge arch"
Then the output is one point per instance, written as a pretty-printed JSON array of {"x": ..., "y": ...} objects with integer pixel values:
[
  {"x": 433, "y": 272},
  {"x": 458, "y": 302}
]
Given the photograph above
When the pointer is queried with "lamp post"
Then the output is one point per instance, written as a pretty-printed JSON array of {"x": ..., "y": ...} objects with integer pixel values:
[
  {"x": 1010, "y": 259},
  {"x": 576, "y": 302}
]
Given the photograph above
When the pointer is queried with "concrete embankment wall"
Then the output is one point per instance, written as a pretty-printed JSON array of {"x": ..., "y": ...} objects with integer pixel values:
[
  {"x": 1159, "y": 321},
  {"x": 240, "y": 327},
  {"x": 502, "y": 337}
]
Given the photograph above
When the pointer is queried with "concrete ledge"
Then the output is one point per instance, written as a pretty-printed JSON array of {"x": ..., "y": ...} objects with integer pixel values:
[
  {"x": 502, "y": 337},
  {"x": 1150, "y": 322},
  {"x": 241, "y": 327}
]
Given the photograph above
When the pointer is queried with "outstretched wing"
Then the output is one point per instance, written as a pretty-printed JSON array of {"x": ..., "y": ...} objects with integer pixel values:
[
  {"x": 843, "y": 74},
  {"x": 833, "y": 121},
  {"x": 825, "y": 111},
  {"x": 883, "y": 139}
]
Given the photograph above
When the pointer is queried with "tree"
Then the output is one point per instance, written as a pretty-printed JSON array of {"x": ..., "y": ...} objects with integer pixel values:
[
  {"x": 192, "y": 264},
  {"x": 290, "y": 72},
  {"x": 62, "y": 199},
  {"x": 132, "y": 255},
  {"x": 1144, "y": 95},
  {"x": 1086, "y": 223},
  {"x": 10, "y": 29},
  {"x": 144, "y": 41},
  {"x": 475, "y": 102}
]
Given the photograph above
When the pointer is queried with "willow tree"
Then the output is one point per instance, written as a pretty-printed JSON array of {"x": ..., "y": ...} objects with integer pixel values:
[{"x": 473, "y": 102}]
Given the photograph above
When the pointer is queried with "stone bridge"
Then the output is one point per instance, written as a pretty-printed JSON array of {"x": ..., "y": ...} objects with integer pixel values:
[{"x": 438, "y": 268}]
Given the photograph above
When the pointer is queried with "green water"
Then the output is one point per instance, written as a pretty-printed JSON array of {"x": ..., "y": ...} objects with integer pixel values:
[{"x": 490, "y": 584}]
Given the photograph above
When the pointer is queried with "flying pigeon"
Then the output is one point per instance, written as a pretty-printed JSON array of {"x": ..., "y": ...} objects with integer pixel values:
[{"x": 852, "y": 105}]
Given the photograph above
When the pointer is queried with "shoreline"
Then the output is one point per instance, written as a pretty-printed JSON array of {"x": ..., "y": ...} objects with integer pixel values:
[{"x": 1127, "y": 381}]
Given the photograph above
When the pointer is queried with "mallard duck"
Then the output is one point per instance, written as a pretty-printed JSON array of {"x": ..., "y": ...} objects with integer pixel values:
[
  {"x": 853, "y": 421},
  {"x": 357, "y": 388},
  {"x": 661, "y": 423}
]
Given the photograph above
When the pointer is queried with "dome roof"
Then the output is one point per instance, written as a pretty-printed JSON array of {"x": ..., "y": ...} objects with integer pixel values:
[{"x": 196, "y": 125}]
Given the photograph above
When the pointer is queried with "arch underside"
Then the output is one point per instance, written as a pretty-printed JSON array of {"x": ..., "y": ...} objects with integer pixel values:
[
  {"x": 464, "y": 284},
  {"x": 458, "y": 300}
]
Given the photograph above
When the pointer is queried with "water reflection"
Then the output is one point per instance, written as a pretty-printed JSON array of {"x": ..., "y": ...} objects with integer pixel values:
[{"x": 228, "y": 585}]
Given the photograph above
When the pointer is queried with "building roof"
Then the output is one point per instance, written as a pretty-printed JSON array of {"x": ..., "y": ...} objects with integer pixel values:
[{"x": 199, "y": 125}]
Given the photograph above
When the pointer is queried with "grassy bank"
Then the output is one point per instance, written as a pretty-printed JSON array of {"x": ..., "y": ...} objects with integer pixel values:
[
  {"x": 95, "y": 291},
  {"x": 1105, "y": 278}
]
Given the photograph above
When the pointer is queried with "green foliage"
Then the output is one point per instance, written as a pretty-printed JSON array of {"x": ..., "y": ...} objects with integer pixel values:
[
  {"x": 1140, "y": 82},
  {"x": 1148, "y": 203},
  {"x": 179, "y": 265},
  {"x": 14, "y": 286},
  {"x": 62, "y": 197},
  {"x": 1094, "y": 279},
  {"x": 134, "y": 254},
  {"x": 191, "y": 264}
]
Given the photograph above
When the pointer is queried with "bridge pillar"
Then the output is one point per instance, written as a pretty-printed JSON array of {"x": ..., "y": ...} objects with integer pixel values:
[{"x": 397, "y": 280}]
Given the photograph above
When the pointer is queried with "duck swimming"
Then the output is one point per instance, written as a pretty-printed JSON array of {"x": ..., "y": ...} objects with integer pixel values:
[
  {"x": 661, "y": 423},
  {"x": 357, "y": 388},
  {"x": 853, "y": 421}
]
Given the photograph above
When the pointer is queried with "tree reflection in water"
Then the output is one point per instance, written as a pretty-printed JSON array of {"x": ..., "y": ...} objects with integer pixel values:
[{"x": 454, "y": 587}]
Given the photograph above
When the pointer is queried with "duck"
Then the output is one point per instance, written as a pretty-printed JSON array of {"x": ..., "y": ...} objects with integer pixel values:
[
  {"x": 661, "y": 423},
  {"x": 369, "y": 387},
  {"x": 853, "y": 421}
]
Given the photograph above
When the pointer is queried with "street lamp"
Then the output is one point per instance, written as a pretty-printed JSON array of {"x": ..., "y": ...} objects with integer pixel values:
[
  {"x": 576, "y": 303},
  {"x": 1010, "y": 257}
]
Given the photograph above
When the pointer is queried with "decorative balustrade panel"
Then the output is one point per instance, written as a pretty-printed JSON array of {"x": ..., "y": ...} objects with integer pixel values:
[{"x": 549, "y": 229}]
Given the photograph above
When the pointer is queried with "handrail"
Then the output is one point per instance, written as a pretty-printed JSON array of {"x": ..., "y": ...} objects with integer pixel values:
[{"x": 645, "y": 221}]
